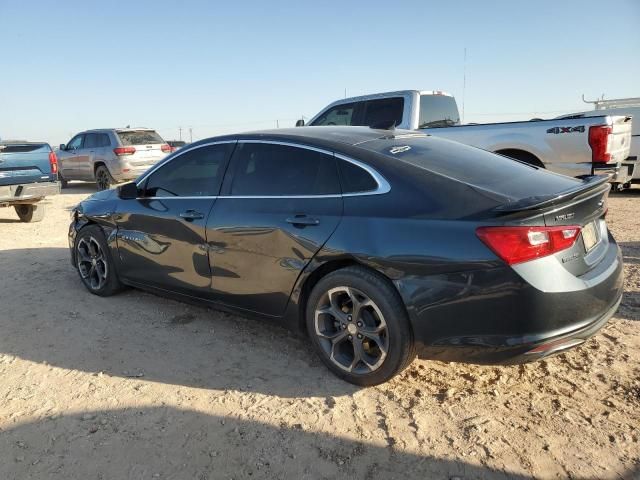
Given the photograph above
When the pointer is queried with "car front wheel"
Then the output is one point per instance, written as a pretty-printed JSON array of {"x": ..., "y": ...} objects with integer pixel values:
[
  {"x": 94, "y": 262},
  {"x": 358, "y": 324}
]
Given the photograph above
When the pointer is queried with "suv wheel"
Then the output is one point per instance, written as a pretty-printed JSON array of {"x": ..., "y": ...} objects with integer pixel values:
[
  {"x": 30, "y": 212},
  {"x": 94, "y": 262},
  {"x": 359, "y": 326},
  {"x": 104, "y": 180}
]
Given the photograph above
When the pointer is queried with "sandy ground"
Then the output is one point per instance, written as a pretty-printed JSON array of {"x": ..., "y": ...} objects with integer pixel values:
[{"x": 141, "y": 387}]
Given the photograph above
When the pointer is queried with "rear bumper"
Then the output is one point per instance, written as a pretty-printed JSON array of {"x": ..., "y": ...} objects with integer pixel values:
[
  {"x": 493, "y": 316},
  {"x": 28, "y": 193},
  {"x": 618, "y": 173}
]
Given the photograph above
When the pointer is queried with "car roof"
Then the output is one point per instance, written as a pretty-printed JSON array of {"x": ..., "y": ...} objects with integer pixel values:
[
  {"x": 101, "y": 130},
  {"x": 320, "y": 136}
]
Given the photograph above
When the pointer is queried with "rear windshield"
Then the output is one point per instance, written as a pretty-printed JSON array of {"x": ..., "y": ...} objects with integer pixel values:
[
  {"x": 438, "y": 111},
  {"x": 139, "y": 137},
  {"x": 472, "y": 166}
]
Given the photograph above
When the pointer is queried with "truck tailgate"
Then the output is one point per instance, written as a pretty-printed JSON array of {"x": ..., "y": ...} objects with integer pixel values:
[
  {"x": 25, "y": 163},
  {"x": 620, "y": 138}
]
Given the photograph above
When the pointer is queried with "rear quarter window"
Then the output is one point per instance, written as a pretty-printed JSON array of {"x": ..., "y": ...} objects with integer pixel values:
[{"x": 355, "y": 179}]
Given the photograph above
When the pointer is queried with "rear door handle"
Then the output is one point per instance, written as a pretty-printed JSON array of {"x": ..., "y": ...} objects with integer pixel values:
[
  {"x": 303, "y": 220},
  {"x": 191, "y": 215}
]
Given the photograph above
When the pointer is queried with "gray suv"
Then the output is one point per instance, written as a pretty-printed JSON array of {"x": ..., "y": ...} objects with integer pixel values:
[{"x": 111, "y": 155}]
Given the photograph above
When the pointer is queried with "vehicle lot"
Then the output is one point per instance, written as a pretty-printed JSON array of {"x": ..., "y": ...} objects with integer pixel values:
[{"x": 137, "y": 386}]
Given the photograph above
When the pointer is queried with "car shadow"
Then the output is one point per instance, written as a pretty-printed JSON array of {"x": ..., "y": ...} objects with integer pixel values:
[
  {"x": 48, "y": 316},
  {"x": 168, "y": 442},
  {"x": 74, "y": 188}
]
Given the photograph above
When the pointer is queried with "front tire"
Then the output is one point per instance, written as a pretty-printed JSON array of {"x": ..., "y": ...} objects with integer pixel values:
[
  {"x": 104, "y": 180},
  {"x": 30, "y": 213},
  {"x": 359, "y": 326},
  {"x": 94, "y": 262}
]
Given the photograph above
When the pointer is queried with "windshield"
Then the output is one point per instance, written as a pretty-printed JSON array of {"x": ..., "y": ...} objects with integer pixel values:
[
  {"x": 139, "y": 137},
  {"x": 438, "y": 111}
]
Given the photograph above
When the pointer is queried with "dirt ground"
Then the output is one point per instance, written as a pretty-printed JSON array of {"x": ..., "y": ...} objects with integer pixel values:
[{"x": 141, "y": 387}]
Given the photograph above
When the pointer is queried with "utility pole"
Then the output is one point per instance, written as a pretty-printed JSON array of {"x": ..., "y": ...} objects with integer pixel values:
[
  {"x": 190, "y": 135},
  {"x": 180, "y": 130},
  {"x": 277, "y": 124}
]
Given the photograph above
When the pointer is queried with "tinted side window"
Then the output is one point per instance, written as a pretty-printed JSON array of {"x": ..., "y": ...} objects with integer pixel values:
[
  {"x": 104, "y": 140},
  {"x": 75, "y": 143},
  {"x": 279, "y": 170},
  {"x": 385, "y": 110},
  {"x": 355, "y": 179},
  {"x": 91, "y": 140},
  {"x": 339, "y": 115},
  {"x": 196, "y": 173},
  {"x": 438, "y": 111}
]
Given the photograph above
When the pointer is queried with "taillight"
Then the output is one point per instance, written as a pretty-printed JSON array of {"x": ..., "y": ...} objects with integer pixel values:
[
  {"x": 166, "y": 148},
  {"x": 599, "y": 143},
  {"x": 53, "y": 162},
  {"x": 124, "y": 151},
  {"x": 521, "y": 244}
]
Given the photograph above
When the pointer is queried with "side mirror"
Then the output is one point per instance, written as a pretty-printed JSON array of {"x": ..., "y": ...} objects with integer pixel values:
[
  {"x": 128, "y": 191},
  {"x": 63, "y": 146},
  {"x": 300, "y": 123}
]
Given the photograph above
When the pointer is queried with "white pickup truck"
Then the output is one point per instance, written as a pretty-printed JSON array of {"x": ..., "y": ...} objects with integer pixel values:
[{"x": 574, "y": 146}]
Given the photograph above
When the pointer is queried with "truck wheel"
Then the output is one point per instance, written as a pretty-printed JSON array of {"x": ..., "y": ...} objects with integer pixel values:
[
  {"x": 63, "y": 183},
  {"x": 104, "y": 180},
  {"x": 30, "y": 213}
]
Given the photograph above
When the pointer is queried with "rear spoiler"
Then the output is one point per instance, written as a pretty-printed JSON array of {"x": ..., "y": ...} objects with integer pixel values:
[{"x": 589, "y": 184}]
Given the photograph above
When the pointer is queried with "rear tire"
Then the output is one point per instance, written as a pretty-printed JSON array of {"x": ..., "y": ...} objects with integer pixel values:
[
  {"x": 30, "y": 213},
  {"x": 358, "y": 325},
  {"x": 104, "y": 180},
  {"x": 63, "y": 183},
  {"x": 94, "y": 262}
]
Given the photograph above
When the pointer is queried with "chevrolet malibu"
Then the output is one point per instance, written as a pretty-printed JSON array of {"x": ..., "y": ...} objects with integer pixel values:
[{"x": 379, "y": 244}]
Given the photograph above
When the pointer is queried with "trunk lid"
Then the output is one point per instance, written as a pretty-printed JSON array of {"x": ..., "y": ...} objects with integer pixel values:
[
  {"x": 25, "y": 163},
  {"x": 620, "y": 138}
]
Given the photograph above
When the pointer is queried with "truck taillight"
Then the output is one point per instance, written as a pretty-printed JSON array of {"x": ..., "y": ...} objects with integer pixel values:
[
  {"x": 521, "y": 244},
  {"x": 166, "y": 148},
  {"x": 53, "y": 162},
  {"x": 124, "y": 151},
  {"x": 599, "y": 142}
]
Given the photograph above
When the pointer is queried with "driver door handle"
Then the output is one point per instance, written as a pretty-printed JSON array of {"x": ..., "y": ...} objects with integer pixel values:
[{"x": 191, "y": 215}]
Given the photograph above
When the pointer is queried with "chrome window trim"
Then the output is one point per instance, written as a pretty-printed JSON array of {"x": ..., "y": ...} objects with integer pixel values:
[
  {"x": 182, "y": 151},
  {"x": 383, "y": 185}
]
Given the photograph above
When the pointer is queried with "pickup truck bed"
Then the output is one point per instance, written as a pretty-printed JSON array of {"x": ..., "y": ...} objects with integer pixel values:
[{"x": 28, "y": 173}]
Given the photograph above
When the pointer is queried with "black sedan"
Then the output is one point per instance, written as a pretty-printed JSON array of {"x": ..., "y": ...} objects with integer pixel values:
[{"x": 379, "y": 244}]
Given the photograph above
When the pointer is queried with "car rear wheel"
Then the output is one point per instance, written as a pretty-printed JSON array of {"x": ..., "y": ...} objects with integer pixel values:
[
  {"x": 104, "y": 180},
  {"x": 94, "y": 262},
  {"x": 30, "y": 213},
  {"x": 359, "y": 326}
]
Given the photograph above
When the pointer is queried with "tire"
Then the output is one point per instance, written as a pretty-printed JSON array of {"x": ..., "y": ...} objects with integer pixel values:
[
  {"x": 94, "y": 262},
  {"x": 336, "y": 335},
  {"x": 63, "y": 183},
  {"x": 30, "y": 213},
  {"x": 104, "y": 180}
]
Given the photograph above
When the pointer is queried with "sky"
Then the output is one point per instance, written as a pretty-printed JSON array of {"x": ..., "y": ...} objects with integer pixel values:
[{"x": 222, "y": 67}]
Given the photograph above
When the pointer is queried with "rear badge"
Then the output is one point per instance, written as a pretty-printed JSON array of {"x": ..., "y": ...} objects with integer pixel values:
[
  {"x": 564, "y": 216},
  {"x": 570, "y": 257}
]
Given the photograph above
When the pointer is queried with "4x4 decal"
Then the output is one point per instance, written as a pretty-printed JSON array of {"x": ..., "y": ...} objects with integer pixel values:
[{"x": 566, "y": 129}]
